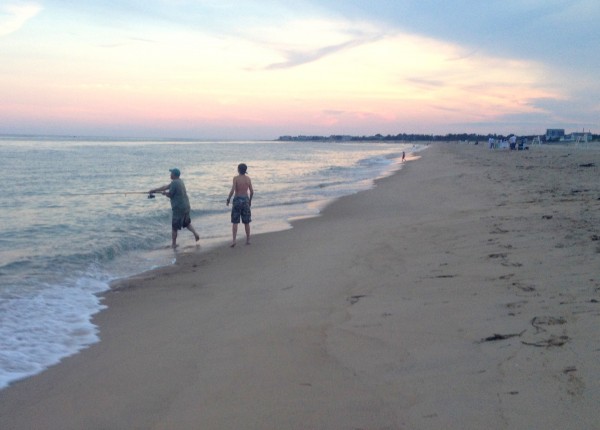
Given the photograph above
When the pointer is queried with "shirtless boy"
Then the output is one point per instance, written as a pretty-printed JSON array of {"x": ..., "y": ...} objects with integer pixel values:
[{"x": 242, "y": 191}]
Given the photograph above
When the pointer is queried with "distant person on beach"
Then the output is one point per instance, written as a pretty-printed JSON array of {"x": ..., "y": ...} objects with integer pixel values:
[
  {"x": 491, "y": 142},
  {"x": 243, "y": 192},
  {"x": 403, "y": 156},
  {"x": 180, "y": 205}
]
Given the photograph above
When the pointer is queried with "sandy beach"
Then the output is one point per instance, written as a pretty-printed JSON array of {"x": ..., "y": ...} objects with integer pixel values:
[{"x": 460, "y": 293}]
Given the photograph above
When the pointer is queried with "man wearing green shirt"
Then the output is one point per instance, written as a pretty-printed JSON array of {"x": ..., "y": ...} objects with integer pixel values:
[{"x": 180, "y": 204}]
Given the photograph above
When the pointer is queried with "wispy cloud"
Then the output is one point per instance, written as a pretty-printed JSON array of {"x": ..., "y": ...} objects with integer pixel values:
[
  {"x": 15, "y": 14},
  {"x": 296, "y": 58},
  {"x": 426, "y": 83}
]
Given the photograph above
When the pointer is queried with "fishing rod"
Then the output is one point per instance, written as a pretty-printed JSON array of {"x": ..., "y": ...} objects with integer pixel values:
[{"x": 150, "y": 195}]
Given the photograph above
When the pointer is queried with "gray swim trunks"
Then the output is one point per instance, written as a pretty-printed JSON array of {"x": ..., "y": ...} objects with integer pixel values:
[
  {"x": 241, "y": 209},
  {"x": 180, "y": 220}
]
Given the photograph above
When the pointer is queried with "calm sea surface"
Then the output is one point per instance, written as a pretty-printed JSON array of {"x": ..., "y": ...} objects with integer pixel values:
[{"x": 74, "y": 216}]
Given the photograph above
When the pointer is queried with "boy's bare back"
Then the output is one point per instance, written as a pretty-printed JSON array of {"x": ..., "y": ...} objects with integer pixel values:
[{"x": 241, "y": 185}]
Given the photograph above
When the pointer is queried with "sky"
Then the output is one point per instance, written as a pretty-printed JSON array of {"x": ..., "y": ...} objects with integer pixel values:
[{"x": 250, "y": 69}]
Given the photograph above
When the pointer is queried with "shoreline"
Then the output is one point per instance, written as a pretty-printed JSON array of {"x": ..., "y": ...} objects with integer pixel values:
[
  {"x": 374, "y": 314},
  {"x": 192, "y": 251},
  {"x": 186, "y": 252}
]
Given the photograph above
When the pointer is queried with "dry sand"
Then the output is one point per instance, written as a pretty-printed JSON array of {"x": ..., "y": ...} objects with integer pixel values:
[{"x": 460, "y": 293}]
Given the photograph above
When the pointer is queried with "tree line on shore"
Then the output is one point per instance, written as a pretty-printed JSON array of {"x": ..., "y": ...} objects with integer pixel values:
[{"x": 410, "y": 137}]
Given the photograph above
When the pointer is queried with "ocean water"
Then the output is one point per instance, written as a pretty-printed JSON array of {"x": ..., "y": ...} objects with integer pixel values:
[{"x": 74, "y": 216}]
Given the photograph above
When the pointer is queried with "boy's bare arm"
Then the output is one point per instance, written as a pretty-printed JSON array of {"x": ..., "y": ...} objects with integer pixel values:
[{"x": 231, "y": 191}]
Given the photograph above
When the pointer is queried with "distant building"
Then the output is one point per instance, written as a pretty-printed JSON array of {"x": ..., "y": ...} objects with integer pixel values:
[{"x": 554, "y": 134}]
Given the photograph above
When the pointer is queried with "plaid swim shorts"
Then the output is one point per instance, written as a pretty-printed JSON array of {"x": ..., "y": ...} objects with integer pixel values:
[{"x": 241, "y": 209}]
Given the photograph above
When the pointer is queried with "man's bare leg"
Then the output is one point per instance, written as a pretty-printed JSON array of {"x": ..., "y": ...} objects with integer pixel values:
[
  {"x": 174, "y": 238},
  {"x": 234, "y": 228},
  {"x": 247, "y": 227},
  {"x": 193, "y": 230}
]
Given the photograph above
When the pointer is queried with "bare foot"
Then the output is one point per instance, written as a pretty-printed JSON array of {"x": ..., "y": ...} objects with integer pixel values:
[
  {"x": 174, "y": 246},
  {"x": 248, "y": 242},
  {"x": 232, "y": 245},
  {"x": 197, "y": 237}
]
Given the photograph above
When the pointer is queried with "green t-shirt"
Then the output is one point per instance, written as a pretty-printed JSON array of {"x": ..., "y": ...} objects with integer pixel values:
[{"x": 178, "y": 195}]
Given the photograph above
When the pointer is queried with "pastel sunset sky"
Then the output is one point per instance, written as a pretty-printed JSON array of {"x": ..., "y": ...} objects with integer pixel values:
[{"x": 244, "y": 69}]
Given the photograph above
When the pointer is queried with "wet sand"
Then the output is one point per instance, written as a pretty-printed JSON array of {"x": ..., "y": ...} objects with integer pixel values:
[{"x": 460, "y": 293}]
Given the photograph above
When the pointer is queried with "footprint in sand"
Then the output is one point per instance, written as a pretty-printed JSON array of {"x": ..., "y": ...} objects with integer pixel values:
[
  {"x": 526, "y": 288},
  {"x": 538, "y": 322},
  {"x": 514, "y": 306},
  {"x": 550, "y": 342},
  {"x": 355, "y": 299}
]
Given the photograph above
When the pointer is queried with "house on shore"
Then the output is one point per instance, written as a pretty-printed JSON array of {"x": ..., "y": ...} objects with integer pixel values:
[
  {"x": 558, "y": 135},
  {"x": 582, "y": 137}
]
